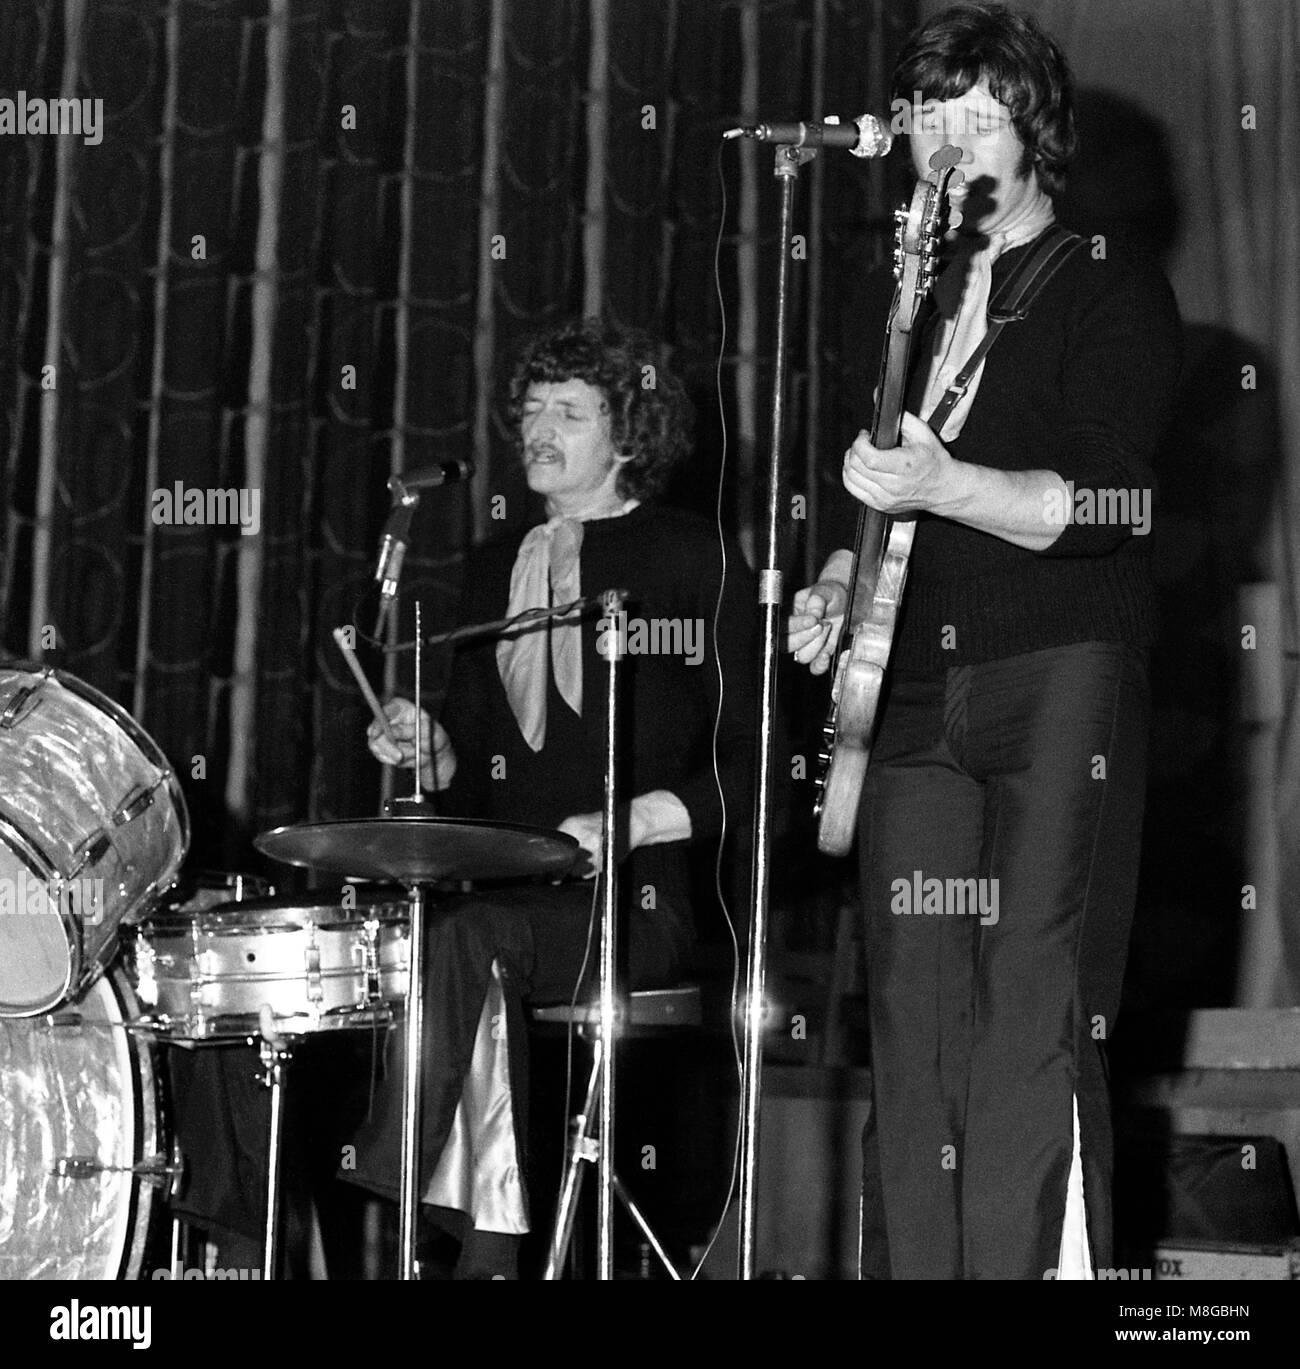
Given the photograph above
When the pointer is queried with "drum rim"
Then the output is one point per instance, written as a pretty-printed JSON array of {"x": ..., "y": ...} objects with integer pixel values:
[
  {"x": 229, "y": 1026},
  {"x": 151, "y": 1124},
  {"x": 238, "y": 918},
  {"x": 83, "y": 975}
]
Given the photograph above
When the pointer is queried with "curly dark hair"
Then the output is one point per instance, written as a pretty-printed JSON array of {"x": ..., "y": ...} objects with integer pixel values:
[
  {"x": 1024, "y": 69},
  {"x": 649, "y": 412}
]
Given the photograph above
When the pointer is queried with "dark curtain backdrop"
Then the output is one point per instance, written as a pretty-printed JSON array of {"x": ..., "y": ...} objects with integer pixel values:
[{"x": 297, "y": 262}]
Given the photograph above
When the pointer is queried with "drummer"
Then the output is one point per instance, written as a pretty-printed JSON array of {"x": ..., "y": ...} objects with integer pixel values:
[{"x": 600, "y": 425}]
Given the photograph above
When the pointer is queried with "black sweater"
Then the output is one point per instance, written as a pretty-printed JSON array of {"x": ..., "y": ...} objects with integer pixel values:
[
  {"x": 670, "y": 563},
  {"x": 1084, "y": 387}
]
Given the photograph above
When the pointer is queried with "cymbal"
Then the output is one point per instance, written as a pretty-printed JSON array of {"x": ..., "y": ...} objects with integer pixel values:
[{"x": 420, "y": 850}]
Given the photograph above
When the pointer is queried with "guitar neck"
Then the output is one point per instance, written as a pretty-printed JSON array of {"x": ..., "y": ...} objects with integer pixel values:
[{"x": 873, "y": 526}]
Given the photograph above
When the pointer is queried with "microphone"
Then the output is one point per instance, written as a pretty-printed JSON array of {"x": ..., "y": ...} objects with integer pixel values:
[
  {"x": 392, "y": 552},
  {"x": 440, "y": 473},
  {"x": 397, "y": 530},
  {"x": 866, "y": 136}
]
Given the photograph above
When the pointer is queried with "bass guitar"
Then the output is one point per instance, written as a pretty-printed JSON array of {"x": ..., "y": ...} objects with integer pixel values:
[{"x": 883, "y": 545}]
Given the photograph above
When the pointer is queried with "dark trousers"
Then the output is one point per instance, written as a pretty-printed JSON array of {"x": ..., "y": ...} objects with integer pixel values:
[
  {"x": 539, "y": 936},
  {"x": 1026, "y": 775}
]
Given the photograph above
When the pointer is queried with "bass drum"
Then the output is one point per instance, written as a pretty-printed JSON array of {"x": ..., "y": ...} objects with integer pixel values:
[
  {"x": 79, "y": 1112},
  {"x": 93, "y": 826}
]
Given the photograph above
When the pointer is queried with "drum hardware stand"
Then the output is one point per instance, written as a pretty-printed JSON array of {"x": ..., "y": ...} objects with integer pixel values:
[
  {"x": 276, "y": 1051},
  {"x": 600, "y": 1089},
  {"x": 412, "y": 1079},
  {"x": 408, "y": 1210},
  {"x": 584, "y": 1147}
]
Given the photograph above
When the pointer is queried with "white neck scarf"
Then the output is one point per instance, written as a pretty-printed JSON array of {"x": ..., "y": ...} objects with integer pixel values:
[
  {"x": 547, "y": 571},
  {"x": 961, "y": 296}
]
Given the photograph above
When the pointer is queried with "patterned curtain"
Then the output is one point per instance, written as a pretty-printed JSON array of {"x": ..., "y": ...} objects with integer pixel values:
[{"x": 296, "y": 262}]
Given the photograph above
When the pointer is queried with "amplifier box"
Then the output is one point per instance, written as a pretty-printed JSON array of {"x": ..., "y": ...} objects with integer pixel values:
[{"x": 1175, "y": 1260}]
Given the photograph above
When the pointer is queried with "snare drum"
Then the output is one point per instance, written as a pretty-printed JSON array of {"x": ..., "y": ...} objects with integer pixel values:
[
  {"x": 92, "y": 826},
  {"x": 83, "y": 1168},
  {"x": 316, "y": 965}
]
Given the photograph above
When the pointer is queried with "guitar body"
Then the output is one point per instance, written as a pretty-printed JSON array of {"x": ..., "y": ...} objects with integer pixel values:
[
  {"x": 884, "y": 545},
  {"x": 858, "y": 687}
]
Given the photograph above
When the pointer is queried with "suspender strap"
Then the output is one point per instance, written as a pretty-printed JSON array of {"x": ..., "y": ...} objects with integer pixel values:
[{"x": 1010, "y": 305}]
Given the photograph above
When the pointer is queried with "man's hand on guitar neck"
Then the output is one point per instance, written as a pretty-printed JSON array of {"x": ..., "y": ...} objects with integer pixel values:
[
  {"x": 814, "y": 626},
  {"x": 921, "y": 476}
]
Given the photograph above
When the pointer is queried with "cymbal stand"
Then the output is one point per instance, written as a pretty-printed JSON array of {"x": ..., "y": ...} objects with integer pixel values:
[{"x": 413, "y": 1078}]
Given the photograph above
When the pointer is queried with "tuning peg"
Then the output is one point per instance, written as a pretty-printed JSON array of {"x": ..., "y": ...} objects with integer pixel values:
[{"x": 954, "y": 219}]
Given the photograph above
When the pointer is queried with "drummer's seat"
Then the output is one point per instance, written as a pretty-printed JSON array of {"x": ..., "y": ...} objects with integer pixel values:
[
  {"x": 650, "y": 1013},
  {"x": 649, "y": 1010}
]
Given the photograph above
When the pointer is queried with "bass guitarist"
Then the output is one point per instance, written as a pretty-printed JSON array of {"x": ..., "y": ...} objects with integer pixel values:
[{"x": 1000, "y": 821}]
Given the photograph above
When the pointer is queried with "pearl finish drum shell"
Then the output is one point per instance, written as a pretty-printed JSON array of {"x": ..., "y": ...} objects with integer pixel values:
[
  {"x": 77, "y": 1084},
  {"x": 86, "y": 795}
]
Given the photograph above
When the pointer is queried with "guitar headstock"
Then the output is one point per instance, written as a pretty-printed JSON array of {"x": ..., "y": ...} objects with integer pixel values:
[{"x": 920, "y": 230}]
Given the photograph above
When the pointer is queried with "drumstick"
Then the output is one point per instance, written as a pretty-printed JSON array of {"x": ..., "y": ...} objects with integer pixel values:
[{"x": 350, "y": 656}]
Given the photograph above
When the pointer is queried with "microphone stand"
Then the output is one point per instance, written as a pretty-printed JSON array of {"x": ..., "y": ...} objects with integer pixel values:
[
  {"x": 612, "y": 602},
  {"x": 789, "y": 159}
]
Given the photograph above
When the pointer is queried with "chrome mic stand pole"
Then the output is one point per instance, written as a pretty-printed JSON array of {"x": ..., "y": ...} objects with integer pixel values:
[
  {"x": 412, "y": 1079},
  {"x": 788, "y": 161},
  {"x": 607, "y": 1180}
]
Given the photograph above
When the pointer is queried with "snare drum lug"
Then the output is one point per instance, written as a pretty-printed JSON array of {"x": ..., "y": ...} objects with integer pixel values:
[
  {"x": 371, "y": 950},
  {"x": 139, "y": 800},
  {"x": 314, "y": 992}
]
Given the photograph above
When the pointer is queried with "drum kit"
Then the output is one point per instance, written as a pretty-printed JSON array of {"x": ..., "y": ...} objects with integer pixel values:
[{"x": 107, "y": 959}]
